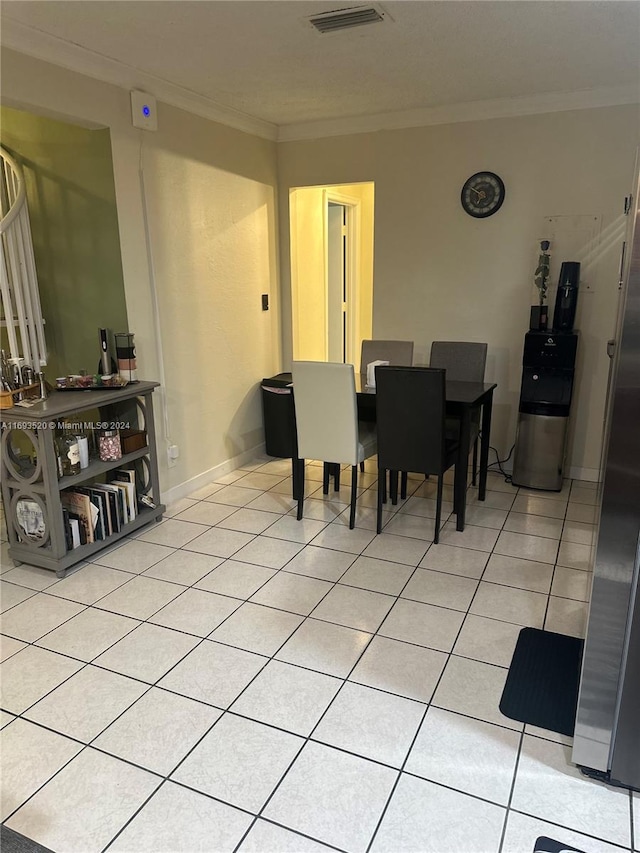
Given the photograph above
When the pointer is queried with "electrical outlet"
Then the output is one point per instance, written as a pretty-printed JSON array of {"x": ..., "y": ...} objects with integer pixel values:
[{"x": 173, "y": 451}]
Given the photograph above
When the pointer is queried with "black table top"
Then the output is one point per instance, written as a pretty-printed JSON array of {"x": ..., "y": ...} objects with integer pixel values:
[{"x": 465, "y": 393}]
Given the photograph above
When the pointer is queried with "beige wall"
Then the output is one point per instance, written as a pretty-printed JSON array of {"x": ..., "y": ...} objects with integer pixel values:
[
  {"x": 210, "y": 216},
  {"x": 308, "y": 299},
  {"x": 74, "y": 226},
  {"x": 439, "y": 274}
]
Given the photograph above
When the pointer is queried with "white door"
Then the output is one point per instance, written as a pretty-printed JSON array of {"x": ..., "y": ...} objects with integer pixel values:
[{"x": 336, "y": 282}]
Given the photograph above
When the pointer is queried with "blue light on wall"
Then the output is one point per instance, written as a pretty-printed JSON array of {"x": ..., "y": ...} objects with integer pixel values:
[{"x": 143, "y": 110}]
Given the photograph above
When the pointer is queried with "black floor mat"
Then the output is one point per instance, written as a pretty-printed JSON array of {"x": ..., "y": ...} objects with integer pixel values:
[
  {"x": 548, "y": 845},
  {"x": 542, "y": 683},
  {"x": 13, "y": 842}
]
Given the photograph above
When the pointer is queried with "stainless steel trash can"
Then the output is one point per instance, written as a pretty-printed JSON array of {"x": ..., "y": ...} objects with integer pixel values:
[{"x": 541, "y": 443}]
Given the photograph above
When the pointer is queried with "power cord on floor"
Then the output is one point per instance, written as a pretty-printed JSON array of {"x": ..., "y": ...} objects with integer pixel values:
[{"x": 500, "y": 462}]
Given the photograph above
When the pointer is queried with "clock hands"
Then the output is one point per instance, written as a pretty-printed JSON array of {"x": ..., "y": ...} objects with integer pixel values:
[{"x": 482, "y": 194}]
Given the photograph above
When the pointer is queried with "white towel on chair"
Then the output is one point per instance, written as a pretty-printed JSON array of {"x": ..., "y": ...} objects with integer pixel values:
[{"x": 371, "y": 373}]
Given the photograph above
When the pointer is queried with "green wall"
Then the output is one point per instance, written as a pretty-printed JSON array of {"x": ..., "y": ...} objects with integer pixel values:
[{"x": 72, "y": 207}]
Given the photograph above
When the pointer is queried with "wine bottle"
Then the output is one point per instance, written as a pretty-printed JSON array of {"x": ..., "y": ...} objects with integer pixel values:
[{"x": 68, "y": 453}]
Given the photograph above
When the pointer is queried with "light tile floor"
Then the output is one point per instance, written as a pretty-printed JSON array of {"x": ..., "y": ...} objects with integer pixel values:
[{"x": 232, "y": 679}]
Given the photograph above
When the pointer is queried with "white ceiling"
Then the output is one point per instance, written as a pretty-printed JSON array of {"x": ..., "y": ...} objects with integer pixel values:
[{"x": 261, "y": 66}]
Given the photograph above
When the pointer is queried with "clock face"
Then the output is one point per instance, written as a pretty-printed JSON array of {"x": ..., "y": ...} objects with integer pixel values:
[{"x": 482, "y": 194}]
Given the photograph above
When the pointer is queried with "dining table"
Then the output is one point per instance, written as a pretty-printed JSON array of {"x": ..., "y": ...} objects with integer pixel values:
[{"x": 462, "y": 399}]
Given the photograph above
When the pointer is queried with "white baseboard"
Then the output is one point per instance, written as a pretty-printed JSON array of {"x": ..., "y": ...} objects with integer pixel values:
[
  {"x": 588, "y": 474},
  {"x": 183, "y": 490}
]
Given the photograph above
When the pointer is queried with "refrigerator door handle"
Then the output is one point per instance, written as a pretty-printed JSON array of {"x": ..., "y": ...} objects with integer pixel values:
[
  {"x": 623, "y": 257},
  {"x": 611, "y": 347}
]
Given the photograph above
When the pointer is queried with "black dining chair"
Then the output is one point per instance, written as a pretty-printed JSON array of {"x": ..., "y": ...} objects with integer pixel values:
[
  {"x": 395, "y": 352},
  {"x": 410, "y": 403},
  {"x": 464, "y": 361}
]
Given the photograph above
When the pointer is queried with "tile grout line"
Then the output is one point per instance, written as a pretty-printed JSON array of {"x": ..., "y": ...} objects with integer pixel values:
[
  {"x": 308, "y": 616},
  {"x": 308, "y": 738},
  {"x": 429, "y": 704}
]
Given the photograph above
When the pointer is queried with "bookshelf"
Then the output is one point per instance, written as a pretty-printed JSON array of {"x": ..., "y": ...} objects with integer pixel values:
[{"x": 36, "y": 485}]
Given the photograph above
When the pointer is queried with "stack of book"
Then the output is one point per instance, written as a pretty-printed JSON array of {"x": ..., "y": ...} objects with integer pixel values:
[{"x": 97, "y": 511}]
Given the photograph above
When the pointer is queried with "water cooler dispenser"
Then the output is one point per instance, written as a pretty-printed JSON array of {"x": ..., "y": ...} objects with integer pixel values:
[{"x": 548, "y": 366}]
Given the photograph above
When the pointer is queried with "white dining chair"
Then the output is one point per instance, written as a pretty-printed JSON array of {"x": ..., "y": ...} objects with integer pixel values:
[{"x": 327, "y": 422}]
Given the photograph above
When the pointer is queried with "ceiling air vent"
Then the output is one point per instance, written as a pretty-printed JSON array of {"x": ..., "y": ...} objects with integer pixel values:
[{"x": 343, "y": 19}]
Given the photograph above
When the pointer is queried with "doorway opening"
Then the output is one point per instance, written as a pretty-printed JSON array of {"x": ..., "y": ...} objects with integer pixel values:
[{"x": 331, "y": 270}]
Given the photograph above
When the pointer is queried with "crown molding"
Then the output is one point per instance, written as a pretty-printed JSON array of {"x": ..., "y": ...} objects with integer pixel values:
[
  {"x": 455, "y": 113},
  {"x": 48, "y": 48}
]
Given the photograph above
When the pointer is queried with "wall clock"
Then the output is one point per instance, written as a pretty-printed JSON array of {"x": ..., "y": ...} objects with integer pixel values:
[{"x": 482, "y": 194}]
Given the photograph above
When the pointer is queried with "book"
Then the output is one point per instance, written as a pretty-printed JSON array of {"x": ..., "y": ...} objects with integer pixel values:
[
  {"x": 121, "y": 502},
  {"x": 66, "y": 522},
  {"x": 111, "y": 493},
  {"x": 101, "y": 527},
  {"x": 74, "y": 527},
  {"x": 97, "y": 518},
  {"x": 79, "y": 506},
  {"x": 124, "y": 494},
  {"x": 82, "y": 530},
  {"x": 128, "y": 477},
  {"x": 105, "y": 511},
  {"x": 99, "y": 498}
]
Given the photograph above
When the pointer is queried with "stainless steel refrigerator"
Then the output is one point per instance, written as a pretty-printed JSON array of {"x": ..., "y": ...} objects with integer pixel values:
[{"x": 607, "y": 733}]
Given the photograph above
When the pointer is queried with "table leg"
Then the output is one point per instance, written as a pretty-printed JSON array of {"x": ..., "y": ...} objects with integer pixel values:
[
  {"x": 393, "y": 487},
  {"x": 294, "y": 478},
  {"x": 460, "y": 484},
  {"x": 484, "y": 445}
]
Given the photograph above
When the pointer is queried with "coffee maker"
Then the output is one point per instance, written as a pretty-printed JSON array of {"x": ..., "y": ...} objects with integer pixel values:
[{"x": 566, "y": 297}]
